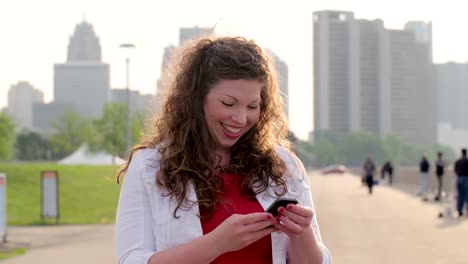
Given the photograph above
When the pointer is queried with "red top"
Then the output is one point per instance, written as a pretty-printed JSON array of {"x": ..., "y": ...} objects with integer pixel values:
[{"x": 237, "y": 202}]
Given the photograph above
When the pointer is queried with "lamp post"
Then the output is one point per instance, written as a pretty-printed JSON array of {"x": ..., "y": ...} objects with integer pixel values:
[{"x": 128, "y": 46}]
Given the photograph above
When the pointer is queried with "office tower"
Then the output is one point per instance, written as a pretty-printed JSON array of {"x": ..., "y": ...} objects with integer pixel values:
[
  {"x": 83, "y": 80},
  {"x": 413, "y": 99},
  {"x": 21, "y": 98},
  {"x": 46, "y": 116},
  {"x": 282, "y": 71},
  {"x": 452, "y": 94},
  {"x": 166, "y": 62},
  {"x": 139, "y": 103},
  {"x": 185, "y": 34},
  {"x": 191, "y": 33},
  {"x": 422, "y": 34},
  {"x": 370, "y": 89},
  {"x": 370, "y": 78},
  {"x": 332, "y": 56}
]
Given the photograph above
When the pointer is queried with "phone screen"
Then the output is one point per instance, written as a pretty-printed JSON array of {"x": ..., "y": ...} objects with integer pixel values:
[{"x": 273, "y": 208}]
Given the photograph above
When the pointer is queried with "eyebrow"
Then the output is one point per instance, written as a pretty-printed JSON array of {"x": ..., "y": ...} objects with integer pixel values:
[{"x": 254, "y": 101}]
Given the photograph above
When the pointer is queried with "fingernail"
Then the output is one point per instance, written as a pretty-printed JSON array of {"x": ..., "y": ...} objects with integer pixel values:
[
  {"x": 281, "y": 210},
  {"x": 269, "y": 216}
]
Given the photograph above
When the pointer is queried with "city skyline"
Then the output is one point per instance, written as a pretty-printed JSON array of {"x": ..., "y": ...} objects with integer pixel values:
[{"x": 38, "y": 37}]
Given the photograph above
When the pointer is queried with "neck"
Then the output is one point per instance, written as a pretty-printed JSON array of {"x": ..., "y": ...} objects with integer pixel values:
[{"x": 223, "y": 157}]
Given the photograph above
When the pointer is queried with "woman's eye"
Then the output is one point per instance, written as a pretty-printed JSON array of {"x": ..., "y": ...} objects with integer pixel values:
[
  {"x": 253, "y": 106},
  {"x": 227, "y": 104}
]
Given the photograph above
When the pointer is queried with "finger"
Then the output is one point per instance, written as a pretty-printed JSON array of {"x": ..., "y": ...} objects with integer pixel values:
[
  {"x": 265, "y": 224},
  {"x": 256, "y": 217},
  {"x": 282, "y": 228},
  {"x": 300, "y": 210},
  {"x": 263, "y": 232},
  {"x": 299, "y": 219},
  {"x": 251, "y": 237},
  {"x": 290, "y": 225}
]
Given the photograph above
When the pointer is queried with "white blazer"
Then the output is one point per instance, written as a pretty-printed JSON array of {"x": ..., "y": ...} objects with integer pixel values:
[{"x": 145, "y": 222}]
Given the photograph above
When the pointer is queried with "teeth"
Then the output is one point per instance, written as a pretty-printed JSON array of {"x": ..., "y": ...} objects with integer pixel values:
[{"x": 232, "y": 130}]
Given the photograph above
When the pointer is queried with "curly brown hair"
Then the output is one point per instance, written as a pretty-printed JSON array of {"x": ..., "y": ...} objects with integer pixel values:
[{"x": 180, "y": 132}]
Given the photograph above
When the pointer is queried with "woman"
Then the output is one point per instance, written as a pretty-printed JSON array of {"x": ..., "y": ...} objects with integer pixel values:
[{"x": 195, "y": 191}]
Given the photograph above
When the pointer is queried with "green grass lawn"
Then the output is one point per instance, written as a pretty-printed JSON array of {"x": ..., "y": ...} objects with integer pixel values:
[
  {"x": 8, "y": 253},
  {"x": 87, "y": 194}
]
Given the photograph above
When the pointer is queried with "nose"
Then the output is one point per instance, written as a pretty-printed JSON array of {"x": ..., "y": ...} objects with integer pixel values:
[{"x": 239, "y": 116}]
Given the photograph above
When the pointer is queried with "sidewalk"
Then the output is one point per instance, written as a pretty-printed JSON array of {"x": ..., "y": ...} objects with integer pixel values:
[
  {"x": 64, "y": 244},
  {"x": 386, "y": 227}
]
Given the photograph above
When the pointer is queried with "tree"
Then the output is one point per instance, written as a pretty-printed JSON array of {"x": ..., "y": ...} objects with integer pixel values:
[
  {"x": 31, "y": 145},
  {"x": 393, "y": 148},
  {"x": 137, "y": 126},
  {"x": 328, "y": 135},
  {"x": 357, "y": 146},
  {"x": 111, "y": 130},
  {"x": 303, "y": 151},
  {"x": 72, "y": 130},
  {"x": 325, "y": 152},
  {"x": 7, "y": 137}
]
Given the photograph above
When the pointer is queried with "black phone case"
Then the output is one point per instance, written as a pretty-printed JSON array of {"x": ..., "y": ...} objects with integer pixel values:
[{"x": 273, "y": 208}]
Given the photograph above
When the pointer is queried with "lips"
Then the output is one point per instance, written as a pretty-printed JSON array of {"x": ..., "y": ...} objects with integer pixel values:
[
  {"x": 231, "y": 132},
  {"x": 231, "y": 129}
]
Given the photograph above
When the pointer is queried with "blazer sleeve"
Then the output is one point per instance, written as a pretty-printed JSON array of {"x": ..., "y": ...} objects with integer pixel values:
[
  {"x": 306, "y": 199},
  {"x": 134, "y": 239}
]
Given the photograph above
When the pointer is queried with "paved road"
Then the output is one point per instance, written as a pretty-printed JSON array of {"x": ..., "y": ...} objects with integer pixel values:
[
  {"x": 64, "y": 244},
  {"x": 386, "y": 227}
]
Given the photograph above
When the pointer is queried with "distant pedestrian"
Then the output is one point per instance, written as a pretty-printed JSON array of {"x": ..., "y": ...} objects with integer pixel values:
[
  {"x": 387, "y": 168},
  {"x": 461, "y": 169},
  {"x": 439, "y": 169},
  {"x": 424, "y": 171},
  {"x": 369, "y": 170}
]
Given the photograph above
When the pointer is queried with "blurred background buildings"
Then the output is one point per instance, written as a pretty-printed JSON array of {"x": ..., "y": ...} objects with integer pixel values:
[
  {"x": 369, "y": 78},
  {"x": 366, "y": 77}
]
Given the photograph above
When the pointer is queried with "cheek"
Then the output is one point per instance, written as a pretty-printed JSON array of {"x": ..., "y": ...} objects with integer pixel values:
[
  {"x": 253, "y": 117},
  {"x": 211, "y": 111}
]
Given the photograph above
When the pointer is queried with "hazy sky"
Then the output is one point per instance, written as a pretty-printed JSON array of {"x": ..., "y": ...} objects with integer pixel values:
[{"x": 35, "y": 35}]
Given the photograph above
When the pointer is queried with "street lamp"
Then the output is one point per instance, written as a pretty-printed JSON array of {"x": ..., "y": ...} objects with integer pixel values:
[{"x": 129, "y": 47}]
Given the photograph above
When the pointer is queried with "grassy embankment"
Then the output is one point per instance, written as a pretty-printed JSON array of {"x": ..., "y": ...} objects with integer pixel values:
[{"x": 87, "y": 194}]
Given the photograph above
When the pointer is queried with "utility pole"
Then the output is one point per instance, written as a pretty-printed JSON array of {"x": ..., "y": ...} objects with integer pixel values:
[{"x": 127, "y": 63}]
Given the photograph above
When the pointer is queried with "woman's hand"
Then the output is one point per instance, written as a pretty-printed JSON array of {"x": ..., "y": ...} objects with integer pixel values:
[
  {"x": 239, "y": 231},
  {"x": 294, "y": 220}
]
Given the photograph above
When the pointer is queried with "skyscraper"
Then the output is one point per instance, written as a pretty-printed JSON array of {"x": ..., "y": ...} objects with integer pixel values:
[
  {"x": 83, "y": 81},
  {"x": 21, "y": 98},
  {"x": 84, "y": 44},
  {"x": 370, "y": 78},
  {"x": 412, "y": 87},
  {"x": 332, "y": 56},
  {"x": 452, "y": 94},
  {"x": 282, "y": 71},
  {"x": 185, "y": 34},
  {"x": 191, "y": 33}
]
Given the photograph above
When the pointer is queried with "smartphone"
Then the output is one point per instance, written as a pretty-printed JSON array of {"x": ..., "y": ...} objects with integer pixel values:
[{"x": 273, "y": 208}]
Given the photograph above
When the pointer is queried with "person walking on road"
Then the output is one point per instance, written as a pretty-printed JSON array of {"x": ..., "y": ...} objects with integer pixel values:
[
  {"x": 424, "y": 171},
  {"x": 461, "y": 169},
  {"x": 439, "y": 166},
  {"x": 369, "y": 170},
  {"x": 387, "y": 168}
]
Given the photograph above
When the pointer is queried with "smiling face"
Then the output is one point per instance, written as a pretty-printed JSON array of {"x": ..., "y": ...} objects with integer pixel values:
[{"x": 232, "y": 107}]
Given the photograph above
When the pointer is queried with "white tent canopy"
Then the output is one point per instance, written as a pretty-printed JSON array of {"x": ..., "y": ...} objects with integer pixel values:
[{"x": 85, "y": 157}]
